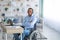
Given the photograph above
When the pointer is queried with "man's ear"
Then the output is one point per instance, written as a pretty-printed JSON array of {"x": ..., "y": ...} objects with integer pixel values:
[
  {"x": 32, "y": 12},
  {"x": 27, "y": 11}
]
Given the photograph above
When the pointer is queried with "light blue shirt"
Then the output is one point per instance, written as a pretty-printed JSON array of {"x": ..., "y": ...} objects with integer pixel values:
[{"x": 29, "y": 21}]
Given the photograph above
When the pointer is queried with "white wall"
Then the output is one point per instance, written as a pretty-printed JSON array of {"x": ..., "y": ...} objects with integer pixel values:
[
  {"x": 52, "y": 14},
  {"x": 22, "y": 5}
]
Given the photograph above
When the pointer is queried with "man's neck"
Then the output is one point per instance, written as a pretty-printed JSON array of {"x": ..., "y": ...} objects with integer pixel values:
[{"x": 30, "y": 15}]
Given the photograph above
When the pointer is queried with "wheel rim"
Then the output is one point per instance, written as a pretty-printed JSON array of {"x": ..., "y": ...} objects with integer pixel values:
[{"x": 34, "y": 35}]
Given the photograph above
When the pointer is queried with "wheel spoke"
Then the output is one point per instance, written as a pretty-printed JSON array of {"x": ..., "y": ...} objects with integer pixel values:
[{"x": 35, "y": 35}]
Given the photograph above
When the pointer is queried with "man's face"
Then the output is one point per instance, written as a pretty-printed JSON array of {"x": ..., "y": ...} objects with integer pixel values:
[{"x": 30, "y": 12}]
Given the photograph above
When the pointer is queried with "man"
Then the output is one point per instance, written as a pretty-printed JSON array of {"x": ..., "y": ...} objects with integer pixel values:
[{"x": 28, "y": 23}]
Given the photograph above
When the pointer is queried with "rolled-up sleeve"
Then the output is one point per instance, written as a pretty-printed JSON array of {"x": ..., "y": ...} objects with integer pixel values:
[
  {"x": 33, "y": 22},
  {"x": 25, "y": 22}
]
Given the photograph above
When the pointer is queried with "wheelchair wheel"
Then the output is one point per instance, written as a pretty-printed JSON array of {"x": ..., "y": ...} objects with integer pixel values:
[{"x": 35, "y": 35}]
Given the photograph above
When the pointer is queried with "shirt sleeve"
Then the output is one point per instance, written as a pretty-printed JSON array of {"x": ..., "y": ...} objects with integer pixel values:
[
  {"x": 29, "y": 24},
  {"x": 25, "y": 22},
  {"x": 33, "y": 22}
]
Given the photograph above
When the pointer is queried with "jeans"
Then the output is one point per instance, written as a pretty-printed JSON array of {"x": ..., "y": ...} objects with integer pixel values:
[
  {"x": 26, "y": 32},
  {"x": 16, "y": 36}
]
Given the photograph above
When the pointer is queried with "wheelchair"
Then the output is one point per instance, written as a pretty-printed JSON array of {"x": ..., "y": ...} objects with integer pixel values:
[{"x": 35, "y": 34}]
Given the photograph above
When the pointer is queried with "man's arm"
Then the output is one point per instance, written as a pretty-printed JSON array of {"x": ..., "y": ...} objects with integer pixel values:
[
  {"x": 25, "y": 22},
  {"x": 33, "y": 22}
]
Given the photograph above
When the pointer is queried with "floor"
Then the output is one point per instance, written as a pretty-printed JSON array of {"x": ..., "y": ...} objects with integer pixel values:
[
  {"x": 47, "y": 32},
  {"x": 50, "y": 33}
]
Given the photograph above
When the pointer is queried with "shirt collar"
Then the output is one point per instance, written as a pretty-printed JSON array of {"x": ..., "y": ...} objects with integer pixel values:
[{"x": 30, "y": 16}]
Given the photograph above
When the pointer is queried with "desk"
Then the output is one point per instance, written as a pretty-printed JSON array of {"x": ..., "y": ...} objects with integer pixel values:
[{"x": 12, "y": 30}]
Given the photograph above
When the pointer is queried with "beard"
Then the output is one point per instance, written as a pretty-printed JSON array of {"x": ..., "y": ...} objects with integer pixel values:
[{"x": 29, "y": 15}]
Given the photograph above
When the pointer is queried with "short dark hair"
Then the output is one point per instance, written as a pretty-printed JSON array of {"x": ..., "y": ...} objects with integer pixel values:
[{"x": 29, "y": 9}]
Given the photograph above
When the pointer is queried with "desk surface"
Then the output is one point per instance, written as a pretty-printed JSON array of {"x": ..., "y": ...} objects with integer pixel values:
[{"x": 12, "y": 29}]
